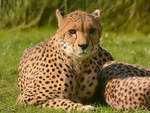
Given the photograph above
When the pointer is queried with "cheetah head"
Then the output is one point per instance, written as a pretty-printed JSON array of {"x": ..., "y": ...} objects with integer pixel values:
[{"x": 79, "y": 33}]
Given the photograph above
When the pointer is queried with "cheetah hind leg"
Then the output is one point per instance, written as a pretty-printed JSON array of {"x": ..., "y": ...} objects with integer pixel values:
[{"x": 67, "y": 105}]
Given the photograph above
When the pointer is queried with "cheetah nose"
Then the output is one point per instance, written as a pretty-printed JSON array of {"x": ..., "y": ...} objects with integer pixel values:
[{"x": 83, "y": 46}]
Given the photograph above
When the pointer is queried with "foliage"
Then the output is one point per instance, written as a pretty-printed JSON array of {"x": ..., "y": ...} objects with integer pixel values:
[
  {"x": 116, "y": 14},
  {"x": 130, "y": 48}
]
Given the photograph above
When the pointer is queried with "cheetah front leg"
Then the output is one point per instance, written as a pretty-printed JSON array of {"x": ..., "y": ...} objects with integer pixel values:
[
  {"x": 57, "y": 103},
  {"x": 67, "y": 105}
]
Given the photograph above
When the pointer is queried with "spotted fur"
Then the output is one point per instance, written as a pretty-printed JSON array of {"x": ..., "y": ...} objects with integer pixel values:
[{"x": 125, "y": 86}]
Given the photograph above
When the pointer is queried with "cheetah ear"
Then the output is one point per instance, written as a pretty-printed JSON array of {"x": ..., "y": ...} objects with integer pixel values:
[
  {"x": 96, "y": 14},
  {"x": 59, "y": 16}
]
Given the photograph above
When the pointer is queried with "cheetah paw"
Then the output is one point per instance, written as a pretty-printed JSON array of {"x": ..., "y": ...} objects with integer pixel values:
[{"x": 88, "y": 108}]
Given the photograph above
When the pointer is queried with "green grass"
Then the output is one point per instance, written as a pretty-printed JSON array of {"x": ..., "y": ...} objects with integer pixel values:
[{"x": 126, "y": 47}]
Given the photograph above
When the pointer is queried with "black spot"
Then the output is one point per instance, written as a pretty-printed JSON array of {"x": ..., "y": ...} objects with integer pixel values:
[
  {"x": 144, "y": 89},
  {"x": 59, "y": 57},
  {"x": 100, "y": 62},
  {"x": 61, "y": 79},
  {"x": 83, "y": 87},
  {"x": 91, "y": 62},
  {"x": 95, "y": 70},
  {"x": 91, "y": 84},
  {"x": 88, "y": 71},
  {"x": 104, "y": 60},
  {"x": 54, "y": 103},
  {"x": 53, "y": 69},
  {"x": 65, "y": 104},
  {"x": 43, "y": 88},
  {"x": 71, "y": 75},
  {"x": 47, "y": 76},
  {"x": 65, "y": 70},
  {"x": 49, "y": 61},
  {"x": 129, "y": 92},
  {"x": 65, "y": 90},
  {"x": 94, "y": 58},
  {"x": 50, "y": 93},
  {"x": 60, "y": 65},
  {"x": 29, "y": 99},
  {"x": 100, "y": 55},
  {"x": 55, "y": 64},
  {"x": 134, "y": 102},
  {"x": 139, "y": 98},
  {"x": 93, "y": 78},
  {"x": 70, "y": 82},
  {"x": 53, "y": 76},
  {"x": 55, "y": 85},
  {"x": 67, "y": 75},
  {"x": 47, "y": 82},
  {"x": 38, "y": 97},
  {"x": 88, "y": 93},
  {"x": 43, "y": 94},
  {"x": 66, "y": 84},
  {"x": 39, "y": 50},
  {"x": 82, "y": 79},
  {"x": 106, "y": 54},
  {"x": 62, "y": 103},
  {"x": 34, "y": 90},
  {"x": 46, "y": 90},
  {"x": 67, "y": 66},
  {"x": 47, "y": 55},
  {"x": 59, "y": 71},
  {"x": 58, "y": 92},
  {"x": 47, "y": 70},
  {"x": 33, "y": 64},
  {"x": 136, "y": 94}
]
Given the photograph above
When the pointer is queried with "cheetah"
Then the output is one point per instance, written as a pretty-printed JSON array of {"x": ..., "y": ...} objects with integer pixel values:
[
  {"x": 62, "y": 72},
  {"x": 125, "y": 86},
  {"x": 69, "y": 68}
]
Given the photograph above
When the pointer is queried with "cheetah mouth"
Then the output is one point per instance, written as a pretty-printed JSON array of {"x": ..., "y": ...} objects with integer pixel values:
[{"x": 83, "y": 53}]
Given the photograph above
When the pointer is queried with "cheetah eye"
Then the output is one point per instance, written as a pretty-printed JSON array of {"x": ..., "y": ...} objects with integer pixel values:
[
  {"x": 72, "y": 31},
  {"x": 92, "y": 31}
]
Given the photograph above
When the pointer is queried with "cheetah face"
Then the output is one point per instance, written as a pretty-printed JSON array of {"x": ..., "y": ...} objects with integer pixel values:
[{"x": 79, "y": 33}]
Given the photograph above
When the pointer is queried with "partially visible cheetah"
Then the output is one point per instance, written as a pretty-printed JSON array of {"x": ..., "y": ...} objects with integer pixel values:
[
  {"x": 62, "y": 72},
  {"x": 125, "y": 86}
]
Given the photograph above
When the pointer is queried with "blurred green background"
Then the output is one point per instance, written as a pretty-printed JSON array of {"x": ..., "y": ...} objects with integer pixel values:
[
  {"x": 24, "y": 23},
  {"x": 116, "y": 14}
]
